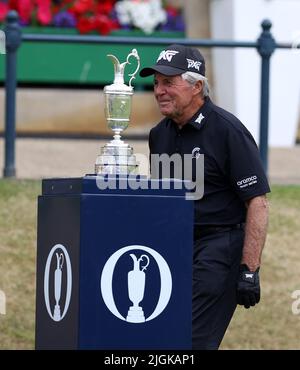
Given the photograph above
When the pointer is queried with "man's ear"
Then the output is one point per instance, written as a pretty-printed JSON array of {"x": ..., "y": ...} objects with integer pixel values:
[{"x": 198, "y": 87}]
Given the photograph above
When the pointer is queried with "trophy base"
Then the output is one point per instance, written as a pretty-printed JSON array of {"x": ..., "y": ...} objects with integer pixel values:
[
  {"x": 135, "y": 315},
  {"x": 56, "y": 316},
  {"x": 116, "y": 158}
]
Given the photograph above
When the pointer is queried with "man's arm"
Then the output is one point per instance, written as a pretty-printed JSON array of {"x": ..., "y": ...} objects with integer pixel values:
[
  {"x": 255, "y": 231},
  {"x": 248, "y": 285}
]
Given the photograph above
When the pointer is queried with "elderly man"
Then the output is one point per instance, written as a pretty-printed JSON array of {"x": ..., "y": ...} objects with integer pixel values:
[{"x": 231, "y": 218}]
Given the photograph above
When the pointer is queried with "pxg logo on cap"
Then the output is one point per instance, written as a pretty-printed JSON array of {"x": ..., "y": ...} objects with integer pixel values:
[{"x": 177, "y": 59}]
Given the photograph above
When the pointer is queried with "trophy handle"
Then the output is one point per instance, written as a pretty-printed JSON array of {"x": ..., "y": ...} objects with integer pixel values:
[
  {"x": 147, "y": 263},
  {"x": 62, "y": 259},
  {"x": 134, "y": 54},
  {"x": 59, "y": 260}
]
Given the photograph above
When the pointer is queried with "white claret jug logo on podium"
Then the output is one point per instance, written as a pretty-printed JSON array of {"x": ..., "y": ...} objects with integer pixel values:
[
  {"x": 54, "y": 278},
  {"x": 136, "y": 282},
  {"x": 136, "y": 288}
]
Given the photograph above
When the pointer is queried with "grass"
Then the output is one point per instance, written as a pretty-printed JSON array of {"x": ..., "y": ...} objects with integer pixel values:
[
  {"x": 17, "y": 262},
  {"x": 270, "y": 325}
]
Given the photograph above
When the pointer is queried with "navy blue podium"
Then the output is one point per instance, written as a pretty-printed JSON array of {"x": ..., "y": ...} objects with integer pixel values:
[{"x": 114, "y": 266}]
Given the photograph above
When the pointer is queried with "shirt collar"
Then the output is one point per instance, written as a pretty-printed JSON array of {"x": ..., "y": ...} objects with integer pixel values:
[{"x": 200, "y": 117}]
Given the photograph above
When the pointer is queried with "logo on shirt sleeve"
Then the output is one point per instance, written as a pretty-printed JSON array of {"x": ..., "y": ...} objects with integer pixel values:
[{"x": 247, "y": 182}]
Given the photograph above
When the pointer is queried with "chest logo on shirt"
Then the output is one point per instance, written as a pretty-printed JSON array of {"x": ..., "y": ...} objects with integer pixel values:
[
  {"x": 200, "y": 118},
  {"x": 196, "y": 152}
]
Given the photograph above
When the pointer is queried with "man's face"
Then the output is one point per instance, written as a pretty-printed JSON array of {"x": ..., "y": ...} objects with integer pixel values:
[{"x": 174, "y": 96}]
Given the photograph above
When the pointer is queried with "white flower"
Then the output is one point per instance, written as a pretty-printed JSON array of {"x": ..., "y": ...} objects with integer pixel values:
[{"x": 143, "y": 14}]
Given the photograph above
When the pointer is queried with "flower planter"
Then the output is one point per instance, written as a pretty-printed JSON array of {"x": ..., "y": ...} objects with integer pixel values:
[{"x": 60, "y": 63}]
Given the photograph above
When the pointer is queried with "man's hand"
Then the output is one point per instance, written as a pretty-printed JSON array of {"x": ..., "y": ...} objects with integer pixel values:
[{"x": 248, "y": 288}]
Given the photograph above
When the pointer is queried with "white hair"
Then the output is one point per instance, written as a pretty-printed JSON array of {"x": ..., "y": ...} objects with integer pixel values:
[{"x": 192, "y": 78}]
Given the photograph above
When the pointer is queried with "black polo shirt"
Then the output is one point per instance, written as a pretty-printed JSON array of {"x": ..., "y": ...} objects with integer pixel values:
[{"x": 233, "y": 171}]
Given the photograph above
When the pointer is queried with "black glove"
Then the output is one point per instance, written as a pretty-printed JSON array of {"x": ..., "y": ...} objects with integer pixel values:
[{"x": 248, "y": 288}]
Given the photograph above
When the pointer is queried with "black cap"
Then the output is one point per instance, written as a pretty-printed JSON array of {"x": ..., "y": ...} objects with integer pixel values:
[{"x": 177, "y": 59}]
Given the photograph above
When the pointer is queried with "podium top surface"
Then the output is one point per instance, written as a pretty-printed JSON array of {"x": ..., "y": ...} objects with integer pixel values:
[{"x": 121, "y": 185}]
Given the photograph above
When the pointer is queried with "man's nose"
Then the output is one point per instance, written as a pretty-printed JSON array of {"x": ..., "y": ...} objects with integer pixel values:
[{"x": 159, "y": 89}]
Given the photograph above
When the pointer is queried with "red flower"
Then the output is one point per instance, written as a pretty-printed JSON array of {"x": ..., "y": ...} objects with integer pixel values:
[
  {"x": 82, "y": 6},
  {"x": 3, "y": 11},
  {"x": 105, "y": 7},
  {"x": 44, "y": 15},
  {"x": 103, "y": 24},
  {"x": 24, "y": 8},
  {"x": 85, "y": 25},
  {"x": 172, "y": 10},
  {"x": 13, "y": 4}
]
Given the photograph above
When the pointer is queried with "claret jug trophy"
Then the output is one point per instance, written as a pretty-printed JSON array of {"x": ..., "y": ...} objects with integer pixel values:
[{"x": 116, "y": 157}]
